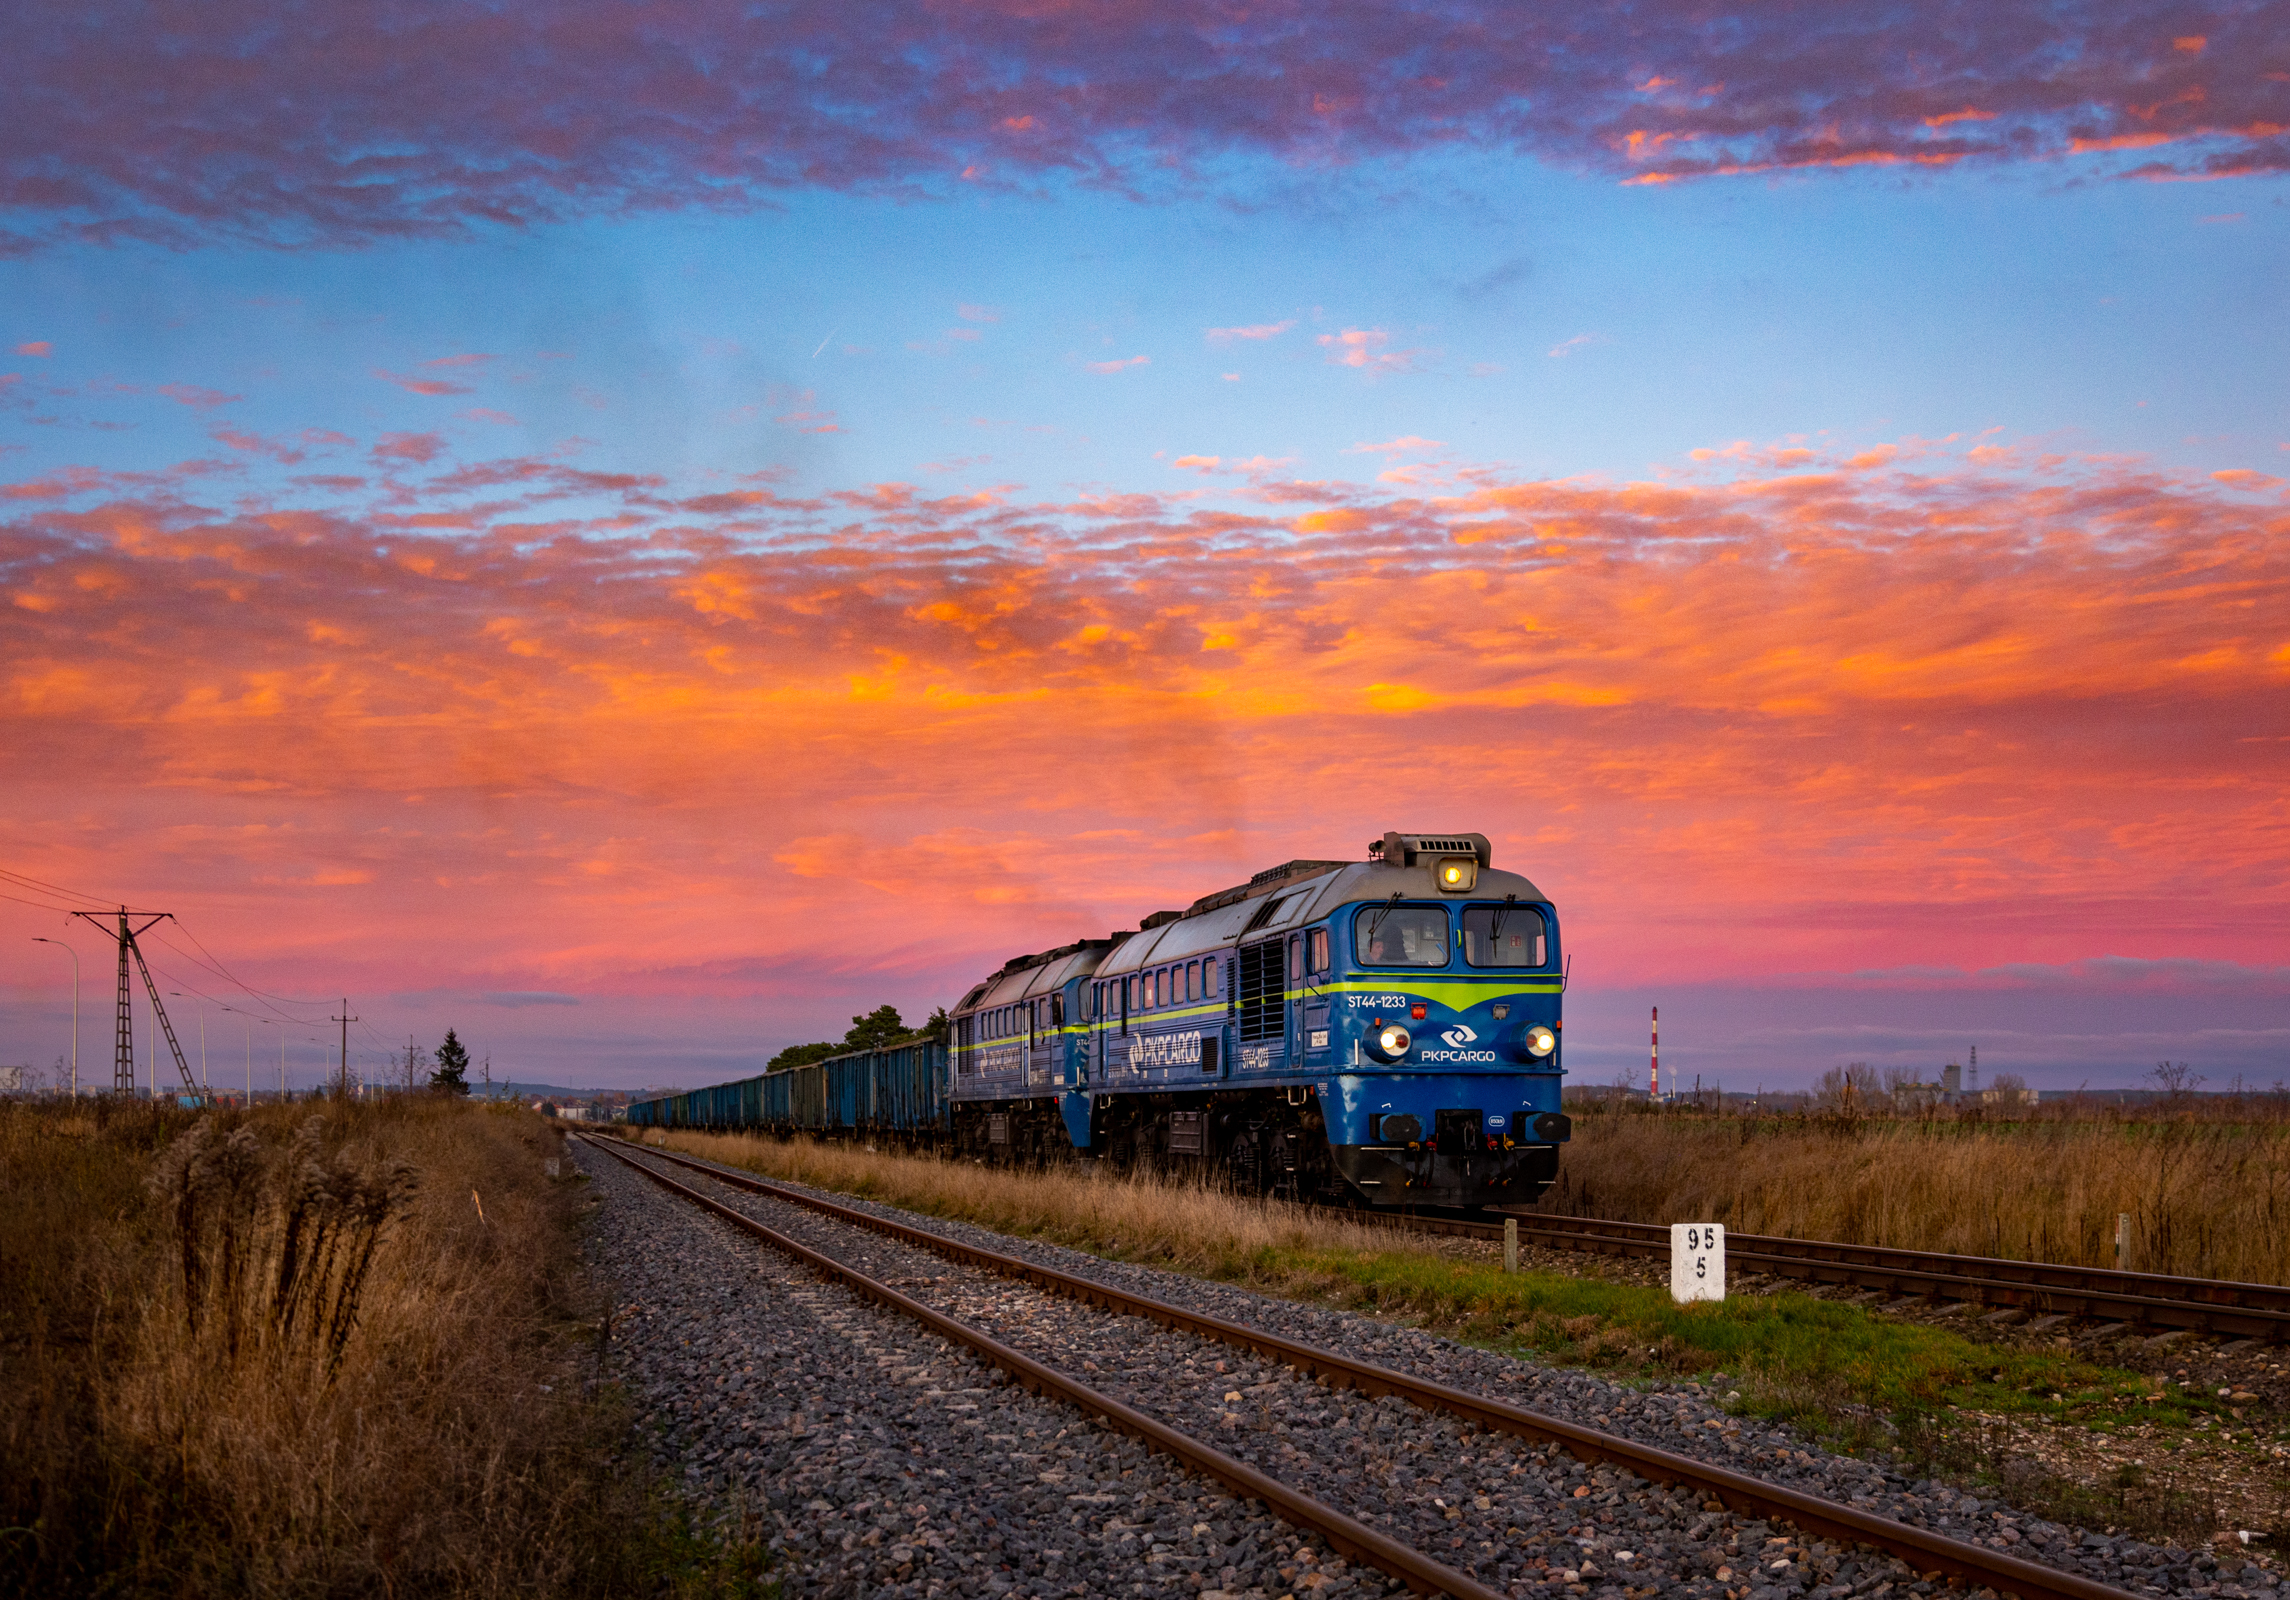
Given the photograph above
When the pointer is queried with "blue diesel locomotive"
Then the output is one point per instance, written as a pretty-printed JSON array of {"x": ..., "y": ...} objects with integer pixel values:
[{"x": 1382, "y": 1032}]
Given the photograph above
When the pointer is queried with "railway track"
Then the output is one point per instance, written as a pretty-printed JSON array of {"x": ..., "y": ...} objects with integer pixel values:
[
  {"x": 1419, "y": 1571},
  {"x": 2148, "y": 1300},
  {"x": 1923, "y": 1550}
]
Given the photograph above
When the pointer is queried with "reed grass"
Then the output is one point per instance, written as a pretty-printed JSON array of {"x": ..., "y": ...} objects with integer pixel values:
[
  {"x": 281, "y": 1353},
  {"x": 2206, "y": 1197}
]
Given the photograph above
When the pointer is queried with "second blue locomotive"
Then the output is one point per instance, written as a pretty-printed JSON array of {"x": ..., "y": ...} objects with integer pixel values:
[{"x": 1382, "y": 1032}]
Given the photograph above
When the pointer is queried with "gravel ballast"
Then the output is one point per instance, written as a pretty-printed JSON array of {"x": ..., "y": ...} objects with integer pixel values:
[
  {"x": 878, "y": 1460},
  {"x": 1513, "y": 1515}
]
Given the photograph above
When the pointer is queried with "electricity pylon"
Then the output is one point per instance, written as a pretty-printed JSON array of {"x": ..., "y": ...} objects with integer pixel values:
[{"x": 123, "y": 1066}]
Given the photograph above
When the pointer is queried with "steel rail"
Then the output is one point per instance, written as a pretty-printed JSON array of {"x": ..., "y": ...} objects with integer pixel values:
[
  {"x": 1923, "y": 1549},
  {"x": 2250, "y": 1310},
  {"x": 1355, "y": 1539}
]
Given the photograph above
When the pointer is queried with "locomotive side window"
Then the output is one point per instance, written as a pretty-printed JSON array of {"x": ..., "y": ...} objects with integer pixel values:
[
  {"x": 1209, "y": 970},
  {"x": 1404, "y": 936},
  {"x": 1057, "y": 1009},
  {"x": 1192, "y": 980},
  {"x": 1316, "y": 951}
]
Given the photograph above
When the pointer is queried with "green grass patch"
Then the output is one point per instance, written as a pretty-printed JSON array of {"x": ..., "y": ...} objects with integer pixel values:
[{"x": 1792, "y": 1357}]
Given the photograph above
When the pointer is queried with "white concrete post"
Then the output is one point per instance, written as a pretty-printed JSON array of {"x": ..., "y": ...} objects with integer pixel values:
[
  {"x": 1697, "y": 1261},
  {"x": 1510, "y": 1244}
]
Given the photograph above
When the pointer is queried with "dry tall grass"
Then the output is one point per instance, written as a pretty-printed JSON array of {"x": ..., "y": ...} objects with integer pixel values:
[
  {"x": 282, "y": 1353},
  {"x": 2206, "y": 1198},
  {"x": 1138, "y": 1216}
]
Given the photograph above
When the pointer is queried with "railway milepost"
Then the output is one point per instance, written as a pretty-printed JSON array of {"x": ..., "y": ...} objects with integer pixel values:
[{"x": 1697, "y": 1261}]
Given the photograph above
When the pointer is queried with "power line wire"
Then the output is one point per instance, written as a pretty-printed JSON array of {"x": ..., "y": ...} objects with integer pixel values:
[{"x": 27, "y": 881}]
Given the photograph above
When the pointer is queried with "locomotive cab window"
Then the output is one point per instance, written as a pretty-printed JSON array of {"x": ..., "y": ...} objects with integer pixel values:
[
  {"x": 1404, "y": 936},
  {"x": 1316, "y": 950},
  {"x": 1505, "y": 936}
]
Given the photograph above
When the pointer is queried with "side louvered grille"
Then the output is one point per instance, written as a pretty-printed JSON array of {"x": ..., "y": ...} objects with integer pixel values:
[{"x": 1263, "y": 980}]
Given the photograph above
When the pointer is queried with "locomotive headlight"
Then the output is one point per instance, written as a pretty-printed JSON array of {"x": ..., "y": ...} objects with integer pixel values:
[
  {"x": 1391, "y": 1042},
  {"x": 1540, "y": 1041},
  {"x": 1459, "y": 874}
]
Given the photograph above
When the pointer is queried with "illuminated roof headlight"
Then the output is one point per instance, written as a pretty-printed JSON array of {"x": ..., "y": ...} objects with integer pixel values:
[
  {"x": 1539, "y": 1040},
  {"x": 1457, "y": 874},
  {"x": 1391, "y": 1042}
]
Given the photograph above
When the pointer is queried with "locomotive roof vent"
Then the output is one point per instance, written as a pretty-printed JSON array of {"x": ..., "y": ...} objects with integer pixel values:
[
  {"x": 1157, "y": 919},
  {"x": 1406, "y": 849},
  {"x": 1264, "y": 883}
]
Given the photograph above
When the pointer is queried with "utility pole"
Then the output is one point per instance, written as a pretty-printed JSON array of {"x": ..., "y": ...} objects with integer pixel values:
[
  {"x": 345, "y": 1019},
  {"x": 75, "y": 955},
  {"x": 123, "y": 1063}
]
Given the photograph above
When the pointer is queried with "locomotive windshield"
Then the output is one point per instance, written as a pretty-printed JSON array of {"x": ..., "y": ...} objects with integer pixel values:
[
  {"x": 1504, "y": 936},
  {"x": 1403, "y": 936}
]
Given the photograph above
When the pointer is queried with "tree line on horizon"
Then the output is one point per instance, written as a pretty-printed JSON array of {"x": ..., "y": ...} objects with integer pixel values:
[{"x": 880, "y": 1029}]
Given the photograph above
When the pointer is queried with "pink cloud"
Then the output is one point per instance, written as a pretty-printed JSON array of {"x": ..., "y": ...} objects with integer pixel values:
[
  {"x": 198, "y": 399},
  {"x": 1364, "y": 348},
  {"x": 1260, "y": 330},
  {"x": 418, "y": 448},
  {"x": 36, "y": 347},
  {"x": 433, "y": 120},
  {"x": 255, "y": 444},
  {"x": 1118, "y": 366},
  {"x": 423, "y": 386}
]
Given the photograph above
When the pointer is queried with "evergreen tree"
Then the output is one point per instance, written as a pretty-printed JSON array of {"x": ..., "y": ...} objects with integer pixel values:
[
  {"x": 801, "y": 1055},
  {"x": 452, "y": 1074},
  {"x": 876, "y": 1029}
]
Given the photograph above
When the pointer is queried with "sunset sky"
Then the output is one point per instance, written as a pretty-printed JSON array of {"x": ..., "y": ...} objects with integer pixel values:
[{"x": 637, "y": 532}]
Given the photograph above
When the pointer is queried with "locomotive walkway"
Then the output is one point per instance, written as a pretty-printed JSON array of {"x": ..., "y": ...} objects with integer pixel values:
[{"x": 1523, "y": 1518}]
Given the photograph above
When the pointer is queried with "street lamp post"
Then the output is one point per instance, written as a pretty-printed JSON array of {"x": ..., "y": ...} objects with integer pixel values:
[
  {"x": 75, "y": 955},
  {"x": 249, "y": 1022},
  {"x": 206, "y": 1084}
]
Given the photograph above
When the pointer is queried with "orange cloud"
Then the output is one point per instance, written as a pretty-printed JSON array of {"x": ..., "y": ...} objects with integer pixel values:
[{"x": 1909, "y": 709}]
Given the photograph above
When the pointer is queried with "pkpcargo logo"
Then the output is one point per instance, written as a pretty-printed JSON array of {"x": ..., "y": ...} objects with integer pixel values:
[
  {"x": 1165, "y": 1050},
  {"x": 1457, "y": 1039}
]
